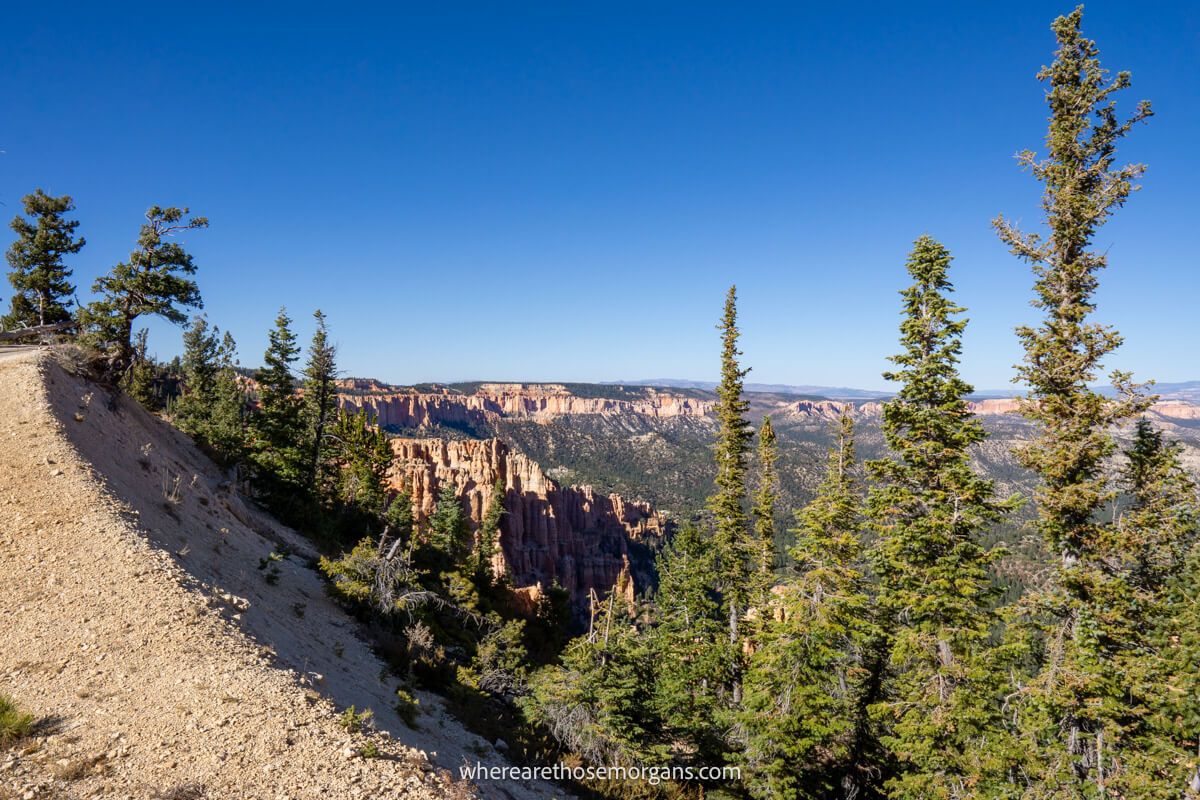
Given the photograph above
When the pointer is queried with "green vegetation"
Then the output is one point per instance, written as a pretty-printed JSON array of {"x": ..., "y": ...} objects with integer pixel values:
[
  {"x": 156, "y": 281},
  {"x": 939, "y": 712},
  {"x": 1086, "y": 714},
  {"x": 14, "y": 724},
  {"x": 882, "y": 645},
  {"x": 355, "y": 721},
  {"x": 41, "y": 282},
  {"x": 810, "y": 675}
]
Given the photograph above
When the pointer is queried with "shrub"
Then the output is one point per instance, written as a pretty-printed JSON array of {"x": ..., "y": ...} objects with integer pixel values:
[
  {"x": 356, "y": 721},
  {"x": 14, "y": 724},
  {"x": 407, "y": 707}
]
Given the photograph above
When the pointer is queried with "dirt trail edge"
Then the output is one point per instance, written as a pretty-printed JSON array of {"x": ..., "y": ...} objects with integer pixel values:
[{"x": 135, "y": 623}]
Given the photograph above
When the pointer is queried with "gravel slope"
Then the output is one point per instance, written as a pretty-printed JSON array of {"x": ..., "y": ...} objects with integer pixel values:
[{"x": 136, "y": 624}]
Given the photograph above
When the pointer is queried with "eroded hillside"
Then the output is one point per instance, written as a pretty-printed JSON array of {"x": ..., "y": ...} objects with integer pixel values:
[{"x": 170, "y": 638}]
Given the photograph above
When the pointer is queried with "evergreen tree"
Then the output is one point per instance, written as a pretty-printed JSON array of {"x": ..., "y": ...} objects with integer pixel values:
[
  {"x": 212, "y": 402},
  {"x": 226, "y": 433},
  {"x": 688, "y": 644},
  {"x": 1177, "y": 638},
  {"x": 41, "y": 281},
  {"x": 1160, "y": 516},
  {"x": 142, "y": 373},
  {"x": 598, "y": 704},
  {"x": 1078, "y": 711},
  {"x": 765, "y": 500},
  {"x": 320, "y": 400},
  {"x": 732, "y": 540},
  {"x": 489, "y": 533},
  {"x": 929, "y": 509},
  {"x": 807, "y": 680},
  {"x": 1159, "y": 521},
  {"x": 448, "y": 526},
  {"x": 277, "y": 447},
  {"x": 155, "y": 281},
  {"x": 399, "y": 516},
  {"x": 201, "y": 352},
  {"x": 363, "y": 455}
]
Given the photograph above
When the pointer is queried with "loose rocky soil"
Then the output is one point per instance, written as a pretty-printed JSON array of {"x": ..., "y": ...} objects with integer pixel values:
[{"x": 159, "y": 659}]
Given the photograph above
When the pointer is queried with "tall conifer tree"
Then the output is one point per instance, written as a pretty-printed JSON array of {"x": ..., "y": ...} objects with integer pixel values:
[
  {"x": 693, "y": 661},
  {"x": 278, "y": 427},
  {"x": 488, "y": 536},
  {"x": 200, "y": 363},
  {"x": 1158, "y": 521},
  {"x": 728, "y": 504},
  {"x": 364, "y": 455},
  {"x": 42, "y": 282},
  {"x": 929, "y": 508},
  {"x": 1077, "y": 710},
  {"x": 320, "y": 400},
  {"x": 766, "y": 498},
  {"x": 227, "y": 421},
  {"x": 807, "y": 677}
]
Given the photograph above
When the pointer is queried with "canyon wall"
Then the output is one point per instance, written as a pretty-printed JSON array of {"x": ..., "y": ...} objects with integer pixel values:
[
  {"x": 410, "y": 409},
  {"x": 574, "y": 536},
  {"x": 416, "y": 409}
]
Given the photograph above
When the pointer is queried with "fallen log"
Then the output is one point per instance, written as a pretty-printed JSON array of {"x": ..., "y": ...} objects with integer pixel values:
[{"x": 35, "y": 331}]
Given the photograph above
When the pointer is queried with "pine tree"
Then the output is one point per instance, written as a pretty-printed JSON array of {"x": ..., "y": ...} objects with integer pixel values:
[
  {"x": 364, "y": 456},
  {"x": 1177, "y": 638},
  {"x": 399, "y": 516},
  {"x": 142, "y": 373},
  {"x": 1158, "y": 520},
  {"x": 807, "y": 677},
  {"x": 201, "y": 352},
  {"x": 1161, "y": 515},
  {"x": 929, "y": 508},
  {"x": 212, "y": 402},
  {"x": 448, "y": 527},
  {"x": 277, "y": 447},
  {"x": 320, "y": 400},
  {"x": 226, "y": 433},
  {"x": 41, "y": 281},
  {"x": 489, "y": 533},
  {"x": 599, "y": 703},
  {"x": 1076, "y": 710},
  {"x": 694, "y": 663},
  {"x": 766, "y": 497},
  {"x": 155, "y": 281},
  {"x": 732, "y": 540}
]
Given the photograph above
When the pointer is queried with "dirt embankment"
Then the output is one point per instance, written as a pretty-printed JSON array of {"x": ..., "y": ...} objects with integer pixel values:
[{"x": 136, "y": 624}]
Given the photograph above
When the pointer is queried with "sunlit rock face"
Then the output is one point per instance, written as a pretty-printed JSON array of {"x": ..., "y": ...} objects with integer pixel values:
[{"x": 573, "y": 536}]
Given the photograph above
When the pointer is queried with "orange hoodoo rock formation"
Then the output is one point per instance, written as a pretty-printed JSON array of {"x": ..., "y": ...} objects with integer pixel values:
[{"x": 574, "y": 536}]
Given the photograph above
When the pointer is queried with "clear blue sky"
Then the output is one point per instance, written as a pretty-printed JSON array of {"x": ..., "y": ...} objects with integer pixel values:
[{"x": 564, "y": 191}]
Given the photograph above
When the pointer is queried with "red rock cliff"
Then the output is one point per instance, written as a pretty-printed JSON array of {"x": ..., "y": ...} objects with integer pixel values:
[{"x": 413, "y": 409}]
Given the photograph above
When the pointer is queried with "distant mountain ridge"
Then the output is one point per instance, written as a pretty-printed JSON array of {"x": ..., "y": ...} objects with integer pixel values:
[
  {"x": 1182, "y": 390},
  {"x": 828, "y": 392}
]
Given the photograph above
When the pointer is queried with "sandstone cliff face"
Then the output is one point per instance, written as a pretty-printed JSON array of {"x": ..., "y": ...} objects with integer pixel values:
[
  {"x": 413, "y": 409},
  {"x": 419, "y": 410},
  {"x": 1176, "y": 409},
  {"x": 572, "y": 535}
]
